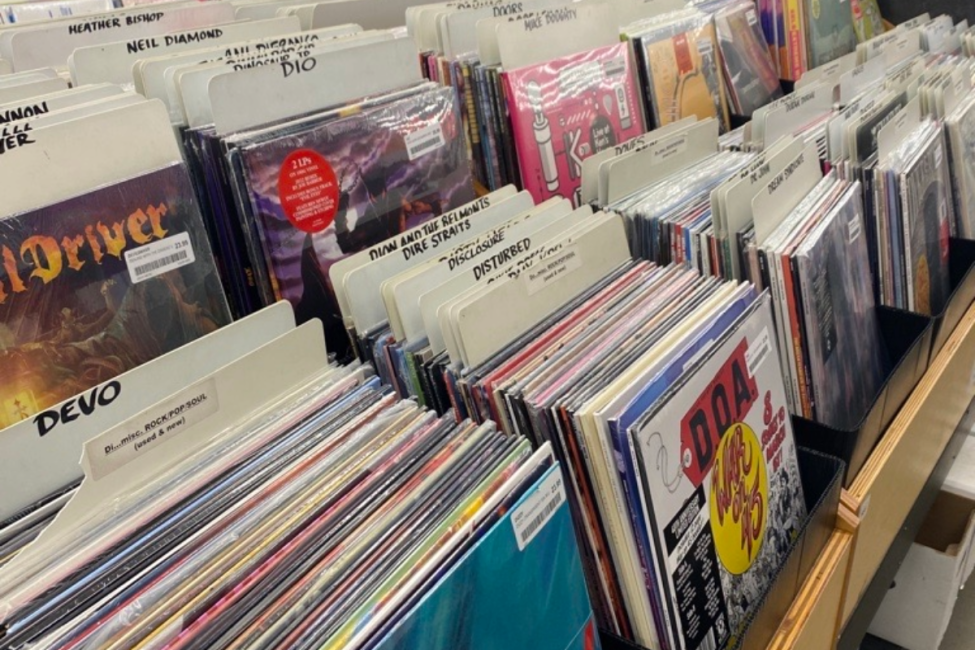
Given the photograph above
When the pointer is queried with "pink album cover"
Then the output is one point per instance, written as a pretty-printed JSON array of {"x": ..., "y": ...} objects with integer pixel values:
[{"x": 567, "y": 109}]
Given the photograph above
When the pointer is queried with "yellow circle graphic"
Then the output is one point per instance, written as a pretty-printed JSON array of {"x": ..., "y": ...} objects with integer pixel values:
[{"x": 739, "y": 498}]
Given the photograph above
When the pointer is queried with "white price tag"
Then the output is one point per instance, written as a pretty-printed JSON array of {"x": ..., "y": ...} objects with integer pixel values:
[{"x": 159, "y": 257}]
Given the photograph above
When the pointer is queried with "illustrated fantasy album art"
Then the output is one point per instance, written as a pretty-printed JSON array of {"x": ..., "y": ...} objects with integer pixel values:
[
  {"x": 98, "y": 284},
  {"x": 339, "y": 187}
]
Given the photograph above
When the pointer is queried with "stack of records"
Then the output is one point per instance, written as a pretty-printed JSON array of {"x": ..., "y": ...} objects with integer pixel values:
[
  {"x": 914, "y": 219},
  {"x": 960, "y": 131},
  {"x": 24, "y": 527},
  {"x": 680, "y": 67},
  {"x": 816, "y": 264},
  {"x": 290, "y": 199},
  {"x": 325, "y": 515},
  {"x": 616, "y": 375}
]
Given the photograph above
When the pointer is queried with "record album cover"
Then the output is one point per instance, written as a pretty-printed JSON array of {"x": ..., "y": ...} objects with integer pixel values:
[
  {"x": 842, "y": 331},
  {"x": 830, "y": 30},
  {"x": 98, "y": 284},
  {"x": 683, "y": 71},
  {"x": 960, "y": 128},
  {"x": 720, "y": 482},
  {"x": 565, "y": 110},
  {"x": 927, "y": 228},
  {"x": 321, "y": 194},
  {"x": 750, "y": 73}
]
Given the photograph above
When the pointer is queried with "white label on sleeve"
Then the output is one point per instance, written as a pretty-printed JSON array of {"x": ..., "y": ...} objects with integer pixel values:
[
  {"x": 854, "y": 228},
  {"x": 752, "y": 18},
  {"x": 537, "y": 509},
  {"x": 146, "y": 431},
  {"x": 422, "y": 142},
  {"x": 552, "y": 268},
  {"x": 758, "y": 352},
  {"x": 159, "y": 257}
]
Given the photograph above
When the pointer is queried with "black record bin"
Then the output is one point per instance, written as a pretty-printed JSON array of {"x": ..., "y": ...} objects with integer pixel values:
[
  {"x": 907, "y": 341},
  {"x": 912, "y": 342},
  {"x": 821, "y": 482}
]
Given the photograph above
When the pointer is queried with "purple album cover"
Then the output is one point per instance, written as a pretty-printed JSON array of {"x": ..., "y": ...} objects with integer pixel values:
[{"x": 331, "y": 190}]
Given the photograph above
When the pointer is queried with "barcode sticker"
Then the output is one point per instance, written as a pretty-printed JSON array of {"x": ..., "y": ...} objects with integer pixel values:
[
  {"x": 705, "y": 47},
  {"x": 159, "y": 257},
  {"x": 854, "y": 228},
  {"x": 751, "y": 17},
  {"x": 758, "y": 351},
  {"x": 419, "y": 143},
  {"x": 615, "y": 67},
  {"x": 537, "y": 509}
]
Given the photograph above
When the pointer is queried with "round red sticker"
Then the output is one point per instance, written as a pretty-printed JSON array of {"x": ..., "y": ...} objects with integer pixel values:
[{"x": 308, "y": 190}]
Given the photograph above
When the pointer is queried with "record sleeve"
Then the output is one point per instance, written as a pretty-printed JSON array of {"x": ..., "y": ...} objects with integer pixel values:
[
  {"x": 750, "y": 74},
  {"x": 565, "y": 110},
  {"x": 98, "y": 284},
  {"x": 720, "y": 483},
  {"x": 829, "y": 30},
  {"x": 961, "y": 139},
  {"x": 683, "y": 71},
  {"x": 324, "y": 193},
  {"x": 842, "y": 332},
  {"x": 926, "y": 229}
]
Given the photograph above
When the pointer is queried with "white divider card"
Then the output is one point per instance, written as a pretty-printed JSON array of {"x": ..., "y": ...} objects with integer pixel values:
[
  {"x": 314, "y": 83},
  {"x": 208, "y": 407},
  {"x": 362, "y": 284},
  {"x": 493, "y": 250},
  {"x": 898, "y": 80},
  {"x": 905, "y": 121},
  {"x": 157, "y": 74},
  {"x": 371, "y": 14},
  {"x": 553, "y": 33},
  {"x": 40, "y": 456},
  {"x": 875, "y": 46},
  {"x": 31, "y": 89},
  {"x": 632, "y": 12},
  {"x": 590, "y": 166},
  {"x": 191, "y": 85},
  {"x": 784, "y": 191},
  {"x": 917, "y": 21},
  {"x": 304, "y": 14},
  {"x": 784, "y": 116},
  {"x": 30, "y": 75},
  {"x": 460, "y": 27},
  {"x": 439, "y": 305},
  {"x": 83, "y": 154},
  {"x": 338, "y": 272},
  {"x": 836, "y": 144},
  {"x": 829, "y": 72},
  {"x": 859, "y": 79},
  {"x": 112, "y": 62},
  {"x": 52, "y": 44},
  {"x": 80, "y": 111},
  {"x": 668, "y": 155},
  {"x": 906, "y": 45},
  {"x": 510, "y": 307},
  {"x": 737, "y": 212},
  {"x": 42, "y": 104},
  {"x": 265, "y": 10}
]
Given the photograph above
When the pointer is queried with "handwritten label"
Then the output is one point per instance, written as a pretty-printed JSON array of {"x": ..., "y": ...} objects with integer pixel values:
[
  {"x": 552, "y": 269},
  {"x": 529, "y": 518},
  {"x": 159, "y": 257},
  {"x": 14, "y": 137},
  {"x": 23, "y": 112},
  {"x": 146, "y": 44},
  {"x": 164, "y": 422}
]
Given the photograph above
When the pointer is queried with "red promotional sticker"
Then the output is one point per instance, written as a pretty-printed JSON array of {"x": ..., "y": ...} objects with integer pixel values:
[{"x": 308, "y": 190}]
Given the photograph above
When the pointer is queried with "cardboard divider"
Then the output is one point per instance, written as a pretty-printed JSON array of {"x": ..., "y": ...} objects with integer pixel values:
[
  {"x": 961, "y": 262},
  {"x": 822, "y": 482},
  {"x": 907, "y": 339}
]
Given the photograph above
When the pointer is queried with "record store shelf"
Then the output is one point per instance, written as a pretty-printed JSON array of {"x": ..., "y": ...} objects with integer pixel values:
[{"x": 885, "y": 506}]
